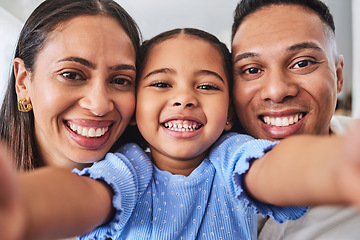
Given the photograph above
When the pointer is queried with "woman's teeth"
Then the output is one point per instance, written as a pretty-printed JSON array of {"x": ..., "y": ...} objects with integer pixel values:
[
  {"x": 182, "y": 126},
  {"x": 282, "y": 121},
  {"x": 88, "y": 132}
]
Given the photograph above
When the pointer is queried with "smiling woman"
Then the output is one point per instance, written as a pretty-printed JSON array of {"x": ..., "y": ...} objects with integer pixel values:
[{"x": 73, "y": 79}]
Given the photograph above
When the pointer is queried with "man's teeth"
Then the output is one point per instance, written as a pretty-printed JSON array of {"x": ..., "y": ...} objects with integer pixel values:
[
  {"x": 89, "y": 132},
  {"x": 282, "y": 121},
  {"x": 182, "y": 126}
]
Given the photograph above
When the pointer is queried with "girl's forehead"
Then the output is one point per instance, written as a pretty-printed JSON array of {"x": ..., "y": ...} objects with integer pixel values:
[
  {"x": 184, "y": 55},
  {"x": 184, "y": 44}
]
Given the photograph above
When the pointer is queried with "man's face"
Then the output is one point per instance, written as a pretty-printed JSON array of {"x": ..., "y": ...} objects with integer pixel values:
[{"x": 286, "y": 75}]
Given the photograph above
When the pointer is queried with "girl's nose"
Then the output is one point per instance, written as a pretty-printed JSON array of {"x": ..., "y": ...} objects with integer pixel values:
[{"x": 184, "y": 99}]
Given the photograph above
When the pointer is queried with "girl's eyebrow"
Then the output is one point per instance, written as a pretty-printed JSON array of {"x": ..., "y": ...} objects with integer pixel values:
[
  {"x": 91, "y": 65},
  {"x": 198, "y": 73},
  {"x": 158, "y": 71},
  {"x": 211, "y": 73}
]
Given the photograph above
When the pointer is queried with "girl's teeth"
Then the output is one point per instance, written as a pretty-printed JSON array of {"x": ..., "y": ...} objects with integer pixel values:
[{"x": 183, "y": 126}]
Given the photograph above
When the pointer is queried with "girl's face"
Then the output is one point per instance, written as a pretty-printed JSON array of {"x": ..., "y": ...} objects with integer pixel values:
[
  {"x": 182, "y": 102},
  {"x": 82, "y": 90}
]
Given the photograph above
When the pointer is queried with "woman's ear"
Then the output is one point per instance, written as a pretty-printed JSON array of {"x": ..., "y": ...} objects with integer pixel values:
[
  {"x": 133, "y": 120},
  {"x": 22, "y": 79}
]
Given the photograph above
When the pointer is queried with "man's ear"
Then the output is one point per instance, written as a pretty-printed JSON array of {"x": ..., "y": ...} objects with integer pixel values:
[
  {"x": 339, "y": 73},
  {"x": 22, "y": 79}
]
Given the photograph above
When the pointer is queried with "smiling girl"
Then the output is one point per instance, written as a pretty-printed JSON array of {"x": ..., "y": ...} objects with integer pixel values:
[{"x": 191, "y": 184}]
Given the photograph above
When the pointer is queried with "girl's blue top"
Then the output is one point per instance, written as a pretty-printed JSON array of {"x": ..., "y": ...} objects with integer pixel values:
[{"x": 210, "y": 203}]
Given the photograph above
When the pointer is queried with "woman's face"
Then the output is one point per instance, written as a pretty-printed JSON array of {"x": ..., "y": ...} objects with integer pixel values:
[{"x": 82, "y": 90}]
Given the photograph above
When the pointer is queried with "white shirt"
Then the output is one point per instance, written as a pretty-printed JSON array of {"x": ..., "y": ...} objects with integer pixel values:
[{"x": 320, "y": 223}]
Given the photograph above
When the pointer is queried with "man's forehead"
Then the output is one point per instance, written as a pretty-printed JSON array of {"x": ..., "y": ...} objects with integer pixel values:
[{"x": 283, "y": 25}]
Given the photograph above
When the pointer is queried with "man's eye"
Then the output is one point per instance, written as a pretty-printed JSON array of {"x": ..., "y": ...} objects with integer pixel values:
[
  {"x": 303, "y": 63},
  {"x": 252, "y": 71}
]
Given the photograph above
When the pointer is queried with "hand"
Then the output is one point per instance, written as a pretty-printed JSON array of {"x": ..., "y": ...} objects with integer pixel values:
[
  {"x": 349, "y": 169},
  {"x": 12, "y": 217}
]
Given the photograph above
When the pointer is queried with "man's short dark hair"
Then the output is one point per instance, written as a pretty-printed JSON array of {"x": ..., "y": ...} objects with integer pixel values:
[{"x": 247, "y": 7}]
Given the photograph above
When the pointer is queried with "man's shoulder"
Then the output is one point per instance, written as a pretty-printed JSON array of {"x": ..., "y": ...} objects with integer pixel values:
[
  {"x": 339, "y": 124},
  {"x": 322, "y": 222}
]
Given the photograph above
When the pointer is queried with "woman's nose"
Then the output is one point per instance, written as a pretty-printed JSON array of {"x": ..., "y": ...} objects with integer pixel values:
[{"x": 97, "y": 100}]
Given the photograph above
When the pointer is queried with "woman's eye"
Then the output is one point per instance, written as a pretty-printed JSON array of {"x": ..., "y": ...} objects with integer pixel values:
[
  {"x": 123, "y": 81},
  {"x": 160, "y": 85},
  {"x": 208, "y": 87},
  {"x": 72, "y": 76}
]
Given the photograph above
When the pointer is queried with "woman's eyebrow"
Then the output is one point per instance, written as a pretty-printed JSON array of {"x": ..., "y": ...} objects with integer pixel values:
[
  {"x": 123, "y": 67},
  {"x": 91, "y": 65},
  {"x": 82, "y": 61}
]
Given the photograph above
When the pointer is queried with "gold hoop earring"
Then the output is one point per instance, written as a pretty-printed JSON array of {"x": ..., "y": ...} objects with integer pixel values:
[{"x": 23, "y": 107}]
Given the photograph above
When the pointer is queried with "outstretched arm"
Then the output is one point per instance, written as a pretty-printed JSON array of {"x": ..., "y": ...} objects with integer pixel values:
[
  {"x": 49, "y": 203},
  {"x": 12, "y": 217},
  {"x": 309, "y": 170},
  {"x": 61, "y": 204}
]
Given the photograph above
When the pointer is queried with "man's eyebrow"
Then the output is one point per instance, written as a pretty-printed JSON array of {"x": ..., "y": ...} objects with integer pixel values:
[
  {"x": 158, "y": 71},
  {"x": 295, "y": 47},
  {"x": 245, "y": 55},
  {"x": 82, "y": 61},
  {"x": 304, "y": 45},
  {"x": 211, "y": 73}
]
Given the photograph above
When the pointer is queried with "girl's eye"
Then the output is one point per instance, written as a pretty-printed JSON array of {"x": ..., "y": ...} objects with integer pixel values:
[
  {"x": 208, "y": 87},
  {"x": 72, "y": 76},
  {"x": 160, "y": 85}
]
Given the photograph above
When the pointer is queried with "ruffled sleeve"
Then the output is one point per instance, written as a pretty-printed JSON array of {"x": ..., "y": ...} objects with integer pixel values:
[
  {"x": 128, "y": 172},
  {"x": 232, "y": 156}
]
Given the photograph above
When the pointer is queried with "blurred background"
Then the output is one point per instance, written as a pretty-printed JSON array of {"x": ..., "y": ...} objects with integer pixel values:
[{"x": 215, "y": 16}]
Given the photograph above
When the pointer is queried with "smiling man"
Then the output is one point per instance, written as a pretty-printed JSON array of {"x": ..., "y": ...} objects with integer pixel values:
[{"x": 287, "y": 75}]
